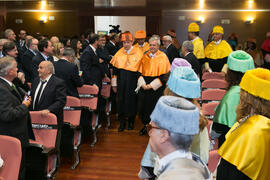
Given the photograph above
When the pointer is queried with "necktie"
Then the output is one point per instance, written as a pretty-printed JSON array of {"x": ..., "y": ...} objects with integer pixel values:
[{"x": 39, "y": 93}]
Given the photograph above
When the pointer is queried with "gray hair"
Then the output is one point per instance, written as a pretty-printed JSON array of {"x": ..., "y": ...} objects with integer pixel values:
[
  {"x": 6, "y": 63},
  {"x": 188, "y": 45},
  {"x": 154, "y": 38},
  {"x": 181, "y": 141},
  {"x": 2, "y": 41},
  {"x": 167, "y": 37},
  {"x": 8, "y": 32},
  {"x": 68, "y": 52},
  {"x": 50, "y": 66}
]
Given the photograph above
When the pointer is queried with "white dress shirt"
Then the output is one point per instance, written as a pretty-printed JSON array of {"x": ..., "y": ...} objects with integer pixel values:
[
  {"x": 128, "y": 51},
  {"x": 94, "y": 49},
  {"x": 45, "y": 84},
  {"x": 10, "y": 83}
]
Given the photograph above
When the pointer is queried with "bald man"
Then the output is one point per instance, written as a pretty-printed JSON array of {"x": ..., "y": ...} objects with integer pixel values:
[{"x": 48, "y": 92}]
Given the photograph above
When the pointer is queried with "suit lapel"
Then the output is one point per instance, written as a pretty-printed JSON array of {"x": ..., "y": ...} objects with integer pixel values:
[
  {"x": 12, "y": 91},
  {"x": 46, "y": 89}
]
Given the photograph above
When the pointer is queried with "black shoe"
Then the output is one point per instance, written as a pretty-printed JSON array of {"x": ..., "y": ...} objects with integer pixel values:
[
  {"x": 143, "y": 131},
  {"x": 120, "y": 129},
  {"x": 130, "y": 125},
  {"x": 122, "y": 125}
]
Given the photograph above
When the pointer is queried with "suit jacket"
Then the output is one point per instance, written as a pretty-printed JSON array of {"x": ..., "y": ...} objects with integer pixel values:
[
  {"x": 27, "y": 65},
  {"x": 53, "y": 97},
  {"x": 186, "y": 169},
  {"x": 70, "y": 74},
  {"x": 112, "y": 49},
  {"x": 85, "y": 44},
  {"x": 14, "y": 116},
  {"x": 92, "y": 69},
  {"x": 37, "y": 59},
  {"x": 172, "y": 53},
  {"x": 105, "y": 56},
  {"x": 191, "y": 58}
]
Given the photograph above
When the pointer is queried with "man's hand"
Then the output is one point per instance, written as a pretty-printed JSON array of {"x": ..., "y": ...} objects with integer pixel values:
[
  {"x": 27, "y": 101},
  {"x": 21, "y": 77},
  {"x": 45, "y": 112},
  {"x": 100, "y": 61}
]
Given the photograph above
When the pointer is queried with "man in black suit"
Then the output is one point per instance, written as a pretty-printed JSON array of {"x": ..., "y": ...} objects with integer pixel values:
[
  {"x": 85, "y": 42},
  {"x": 103, "y": 53},
  {"x": 66, "y": 70},
  {"x": 27, "y": 57},
  {"x": 112, "y": 46},
  {"x": 48, "y": 92},
  {"x": 14, "y": 115},
  {"x": 45, "y": 48},
  {"x": 91, "y": 63},
  {"x": 170, "y": 50},
  {"x": 187, "y": 51}
]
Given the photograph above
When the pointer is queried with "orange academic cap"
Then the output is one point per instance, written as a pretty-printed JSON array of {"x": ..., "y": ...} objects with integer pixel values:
[
  {"x": 126, "y": 37},
  {"x": 141, "y": 34}
]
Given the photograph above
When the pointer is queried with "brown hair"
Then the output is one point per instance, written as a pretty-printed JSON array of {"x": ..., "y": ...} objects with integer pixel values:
[
  {"x": 251, "y": 104},
  {"x": 203, "y": 119},
  {"x": 233, "y": 78}
]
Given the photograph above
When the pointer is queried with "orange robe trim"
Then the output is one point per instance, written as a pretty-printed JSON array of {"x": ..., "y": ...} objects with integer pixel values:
[
  {"x": 156, "y": 66},
  {"x": 144, "y": 48},
  {"x": 129, "y": 62}
]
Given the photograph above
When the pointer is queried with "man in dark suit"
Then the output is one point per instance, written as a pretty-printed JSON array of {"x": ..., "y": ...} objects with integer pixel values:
[
  {"x": 14, "y": 114},
  {"x": 66, "y": 70},
  {"x": 91, "y": 63},
  {"x": 187, "y": 51},
  {"x": 170, "y": 50},
  {"x": 85, "y": 42},
  {"x": 27, "y": 57},
  {"x": 45, "y": 48},
  {"x": 48, "y": 92},
  {"x": 103, "y": 53},
  {"x": 112, "y": 46}
]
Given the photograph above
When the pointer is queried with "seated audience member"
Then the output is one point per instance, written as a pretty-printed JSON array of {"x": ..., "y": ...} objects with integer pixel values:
[
  {"x": 187, "y": 51},
  {"x": 225, "y": 115},
  {"x": 174, "y": 122},
  {"x": 170, "y": 50},
  {"x": 58, "y": 49},
  {"x": 153, "y": 70},
  {"x": 66, "y": 70},
  {"x": 245, "y": 152},
  {"x": 48, "y": 92},
  {"x": 217, "y": 51},
  {"x": 76, "y": 45},
  {"x": 184, "y": 82},
  {"x": 254, "y": 52},
  {"x": 14, "y": 115},
  {"x": 45, "y": 53},
  {"x": 27, "y": 59},
  {"x": 140, "y": 37}
]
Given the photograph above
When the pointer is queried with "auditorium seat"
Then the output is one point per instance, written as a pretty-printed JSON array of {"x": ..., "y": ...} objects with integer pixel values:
[
  {"x": 106, "y": 93},
  {"x": 214, "y": 84},
  {"x": 213, "y": 75}
]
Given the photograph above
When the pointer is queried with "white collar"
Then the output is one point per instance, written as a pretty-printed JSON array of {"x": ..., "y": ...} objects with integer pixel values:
[
  {"x": 47, "y": 79},
  {"x": 168, "y": 45},
  {"x": 10, "y": 83},
  {"x": 141, "y": 45},
  {"x": 45, "y": 57},
  {"x": 152, "y": 55},
  {"x": 128, "y": 51},
  {"x": 112, "y": 42},
  {"x": 94, "y": 49},
  {"x": 163, "y": 162},
  {"x": 32, "y": 51},
  {"x": 197, "y": 37},
  {"x": 217, "y": 42},
  {"x": 187, "y": 54}
]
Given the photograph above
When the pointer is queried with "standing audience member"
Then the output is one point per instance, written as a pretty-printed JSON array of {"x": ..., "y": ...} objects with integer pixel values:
[
  {"x": 22, "y": 36},
  {"x": 112, "y": 44},
  {"x": 2, "y": 42},
  {"x": 170, "y": 50},
  {"x": 54, "y": 39},
  {"x": 152, "y": 82},
  {"x": 76, "y": 45},
  {"x": 58, "y": 49},
  {"x": 14, "y": 115},
  {"x": 266, "y": 51},
  {"x": 175, "y": 42},
  {"x": 126, "y": 63},
  {"x": 91, "y": 64},
  {"x": 254, "y": 52},
  {"x": 233, "y": 41},
  {"x": 187, "y": 51},
  {"x": 225, "y": 114},
  {"x": 27, "y": 57},
  {"x": 85, "y": 42},
  {"x": 66, "y": 70},
  {"x": 103, "y": 53},
  {"x": 174, "y": 122},
  {"x": 45, "y": 53},
  {"x": 217, "y": 52},
  {"x": 245, "y": 152},
  {"x": 140, "y": 37},
  {"x": 48, "y": 92}
]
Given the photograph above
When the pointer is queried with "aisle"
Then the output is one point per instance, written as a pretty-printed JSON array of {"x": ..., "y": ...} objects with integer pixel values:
[{"x": 116, "y": 156}]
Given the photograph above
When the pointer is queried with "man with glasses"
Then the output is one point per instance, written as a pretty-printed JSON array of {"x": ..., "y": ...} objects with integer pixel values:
[
  {"x": 174, "y": 122},
  {"x": 170, "y": 50}
]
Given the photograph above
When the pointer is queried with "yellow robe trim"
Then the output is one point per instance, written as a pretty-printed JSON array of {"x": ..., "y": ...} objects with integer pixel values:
[
  {"x": 130, "y": 62},
  {"x": 248, "y": 147},
  {"x": 144, "y": 48},
  {"x": 156, "y": 66},
  {"x": 213, "y": 51},
  {"x": 198, "y": 50}
]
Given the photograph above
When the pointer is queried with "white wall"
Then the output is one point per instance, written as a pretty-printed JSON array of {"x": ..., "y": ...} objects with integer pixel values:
[{"x": 127, "y": 23}]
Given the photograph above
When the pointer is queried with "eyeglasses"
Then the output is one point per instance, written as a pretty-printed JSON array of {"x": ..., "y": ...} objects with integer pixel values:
[{"x": 149, "y": 127}]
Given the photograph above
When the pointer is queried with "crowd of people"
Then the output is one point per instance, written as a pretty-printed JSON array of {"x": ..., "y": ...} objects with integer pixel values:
[{"x": 159, "y": 80}]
